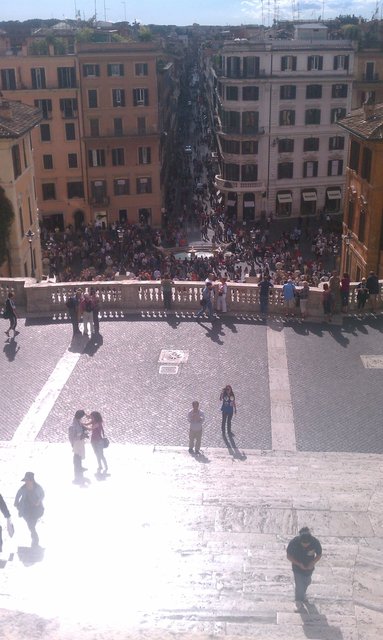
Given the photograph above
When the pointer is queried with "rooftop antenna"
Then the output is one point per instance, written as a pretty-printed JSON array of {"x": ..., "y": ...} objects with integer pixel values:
[
  {"x": 95, "y": 12},
  {"x": 263, "y": 15},
  {"x": 124, "y": 3},
  {"x": 323, "y": 10},
  {"x": 105, "y": 10}
]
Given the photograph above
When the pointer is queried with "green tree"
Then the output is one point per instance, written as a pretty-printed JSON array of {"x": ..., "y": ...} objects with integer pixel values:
[{"x": 6, "y": 218}]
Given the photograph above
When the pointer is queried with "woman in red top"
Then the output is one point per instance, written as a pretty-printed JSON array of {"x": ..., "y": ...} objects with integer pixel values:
[{"x": 96, "y": 440}]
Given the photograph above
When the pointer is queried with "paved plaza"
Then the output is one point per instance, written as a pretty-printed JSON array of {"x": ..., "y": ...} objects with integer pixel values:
[{"x": 178, "y": 546}]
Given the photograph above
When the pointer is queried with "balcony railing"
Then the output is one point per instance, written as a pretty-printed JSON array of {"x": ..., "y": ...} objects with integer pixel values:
[
  {"x": 237, "y": 131},
  {"x": 69, "y": 114},
  {"x": 370, "y": 77},
  {"x": 239, "y": 185},
  {"x": 239, "y": 75},
  {"x": 100, "y": 200},
  {"x": 45, "y": 300}
]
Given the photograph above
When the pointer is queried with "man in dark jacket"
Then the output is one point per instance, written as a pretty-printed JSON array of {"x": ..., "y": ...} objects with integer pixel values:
[
  {"x": 29, "y": 503},
  {"x": 372, "y": 285},
  {"x": 73, "y": 306},
  {"x": 303, "y": 551}
]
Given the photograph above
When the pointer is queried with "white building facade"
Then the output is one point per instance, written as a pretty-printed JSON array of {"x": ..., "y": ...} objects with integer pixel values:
[{"x": 276, "y": 106}]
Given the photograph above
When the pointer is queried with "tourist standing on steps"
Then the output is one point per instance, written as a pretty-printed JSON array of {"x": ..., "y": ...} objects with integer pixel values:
[
  {"x": 196, "y": 418},
  {"x": 73, "y": 306},
  {"x": 29, "y": 503},
  {"x": 206, "y": 301},
  {"x": 327, "y": 302},
  {"x": 221, "y": 297},
  {"x": 5, "y": 511},
  {"x": 373, "y": 289},
  {"x": 77, "y": 434},
  {"x": 362, "y": 294},
  {"x": 86, "y": 310},
  {"x": 303, "y": 551},
  {"x": 167, "y": 284},
  {"x": 96, "y": 305},
  {"x": 228, "y": 408},
  {"x": 334, "y": 285},
  {"x": 96, "y": 439},
  {"x": 10, "y": 314},
  {"x": 264, "y": 291}
]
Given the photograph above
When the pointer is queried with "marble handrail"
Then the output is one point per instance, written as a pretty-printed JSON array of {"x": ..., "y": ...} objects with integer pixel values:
[{"x": 47, "y": 299}]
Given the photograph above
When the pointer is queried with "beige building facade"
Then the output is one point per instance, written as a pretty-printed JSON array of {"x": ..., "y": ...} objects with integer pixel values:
[
  {"x": 368, "y": 77},
  {"x": 97, "y": 150},
  {"x": 276, "y": 105},
  {"x": 17, "y": 122}
]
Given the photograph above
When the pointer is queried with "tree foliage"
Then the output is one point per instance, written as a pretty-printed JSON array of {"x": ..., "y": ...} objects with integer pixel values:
[{"x": 6, "y": 218}]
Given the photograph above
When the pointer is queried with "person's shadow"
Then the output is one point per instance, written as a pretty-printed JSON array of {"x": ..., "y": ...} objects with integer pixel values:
[
  {"x": 201, "y": 458},
  {"x": 214, "y": 331},
  {"x": 30, "y": 555},
  {"x": 10, "y": 349},
  {"x": 232, "y": 447},
  {"x": 93, "y": 345},
  {"x": 315, "y": 625}
]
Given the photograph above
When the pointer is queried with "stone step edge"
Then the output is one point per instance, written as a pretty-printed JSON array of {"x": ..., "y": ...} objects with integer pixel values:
[{"x": 219, "y": 451}]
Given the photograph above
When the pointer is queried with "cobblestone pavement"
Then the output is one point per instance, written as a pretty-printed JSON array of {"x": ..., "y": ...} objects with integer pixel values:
[{"x": 333, "y": 394}]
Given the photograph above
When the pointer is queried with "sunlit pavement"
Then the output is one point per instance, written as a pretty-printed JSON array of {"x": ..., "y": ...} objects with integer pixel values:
[{"x": 173, "y": 545}]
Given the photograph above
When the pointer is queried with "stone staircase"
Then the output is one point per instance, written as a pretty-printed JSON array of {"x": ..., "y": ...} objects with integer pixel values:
[{"x": 176, "y": 546}]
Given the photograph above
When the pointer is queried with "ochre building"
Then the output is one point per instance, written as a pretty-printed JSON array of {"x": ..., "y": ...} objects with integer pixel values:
[{"x": 362, "y": 249}]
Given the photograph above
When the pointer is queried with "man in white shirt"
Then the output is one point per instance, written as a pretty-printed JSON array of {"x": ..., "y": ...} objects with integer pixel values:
[{"x": 196, "y": 418}]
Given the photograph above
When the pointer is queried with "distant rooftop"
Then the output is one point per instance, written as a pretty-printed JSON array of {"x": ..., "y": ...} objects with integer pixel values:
[
  {"x": 365, "y": 123},
  {"x": 17, "y": 118}
]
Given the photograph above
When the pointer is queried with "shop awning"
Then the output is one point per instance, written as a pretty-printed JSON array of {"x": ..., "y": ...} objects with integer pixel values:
[
  {"x": 231, "y": 203},
  {"x": 284, "y": 197},
  {"x": 309, "y": 196},
  {"x": 334, "y": 194},
  {"x": 249, "y": 203}
]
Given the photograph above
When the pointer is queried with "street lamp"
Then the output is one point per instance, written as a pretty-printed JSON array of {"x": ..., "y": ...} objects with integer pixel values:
[
  {"x": 30, "y": 235},
  {"x": 347, "y": 240}
]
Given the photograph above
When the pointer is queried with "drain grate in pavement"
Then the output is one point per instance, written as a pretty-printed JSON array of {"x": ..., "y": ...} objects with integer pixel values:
[
  {"x": 173, "y": 356},
  {"x": 372, "y": 362},
  {"x": 169, "y": 369}
]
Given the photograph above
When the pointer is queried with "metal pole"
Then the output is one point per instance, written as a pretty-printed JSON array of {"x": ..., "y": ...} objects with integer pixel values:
[{"x": 32, "y": 263}]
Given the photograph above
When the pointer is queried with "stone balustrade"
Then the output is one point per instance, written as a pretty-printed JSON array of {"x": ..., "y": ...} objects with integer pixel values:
[{"x": 48, "y": 300}]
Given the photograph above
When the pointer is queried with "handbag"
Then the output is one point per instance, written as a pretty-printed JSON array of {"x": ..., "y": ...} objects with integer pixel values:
[
  {"x": 5, "y": 315},
  {"x": 105, "y": 442}
]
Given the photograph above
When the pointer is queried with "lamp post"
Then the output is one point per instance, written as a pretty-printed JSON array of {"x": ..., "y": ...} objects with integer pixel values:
[
  {"x": 30, "y": 235},
  {"x": 347, "y": 240},
  {"x": 120, "y": 233}
]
